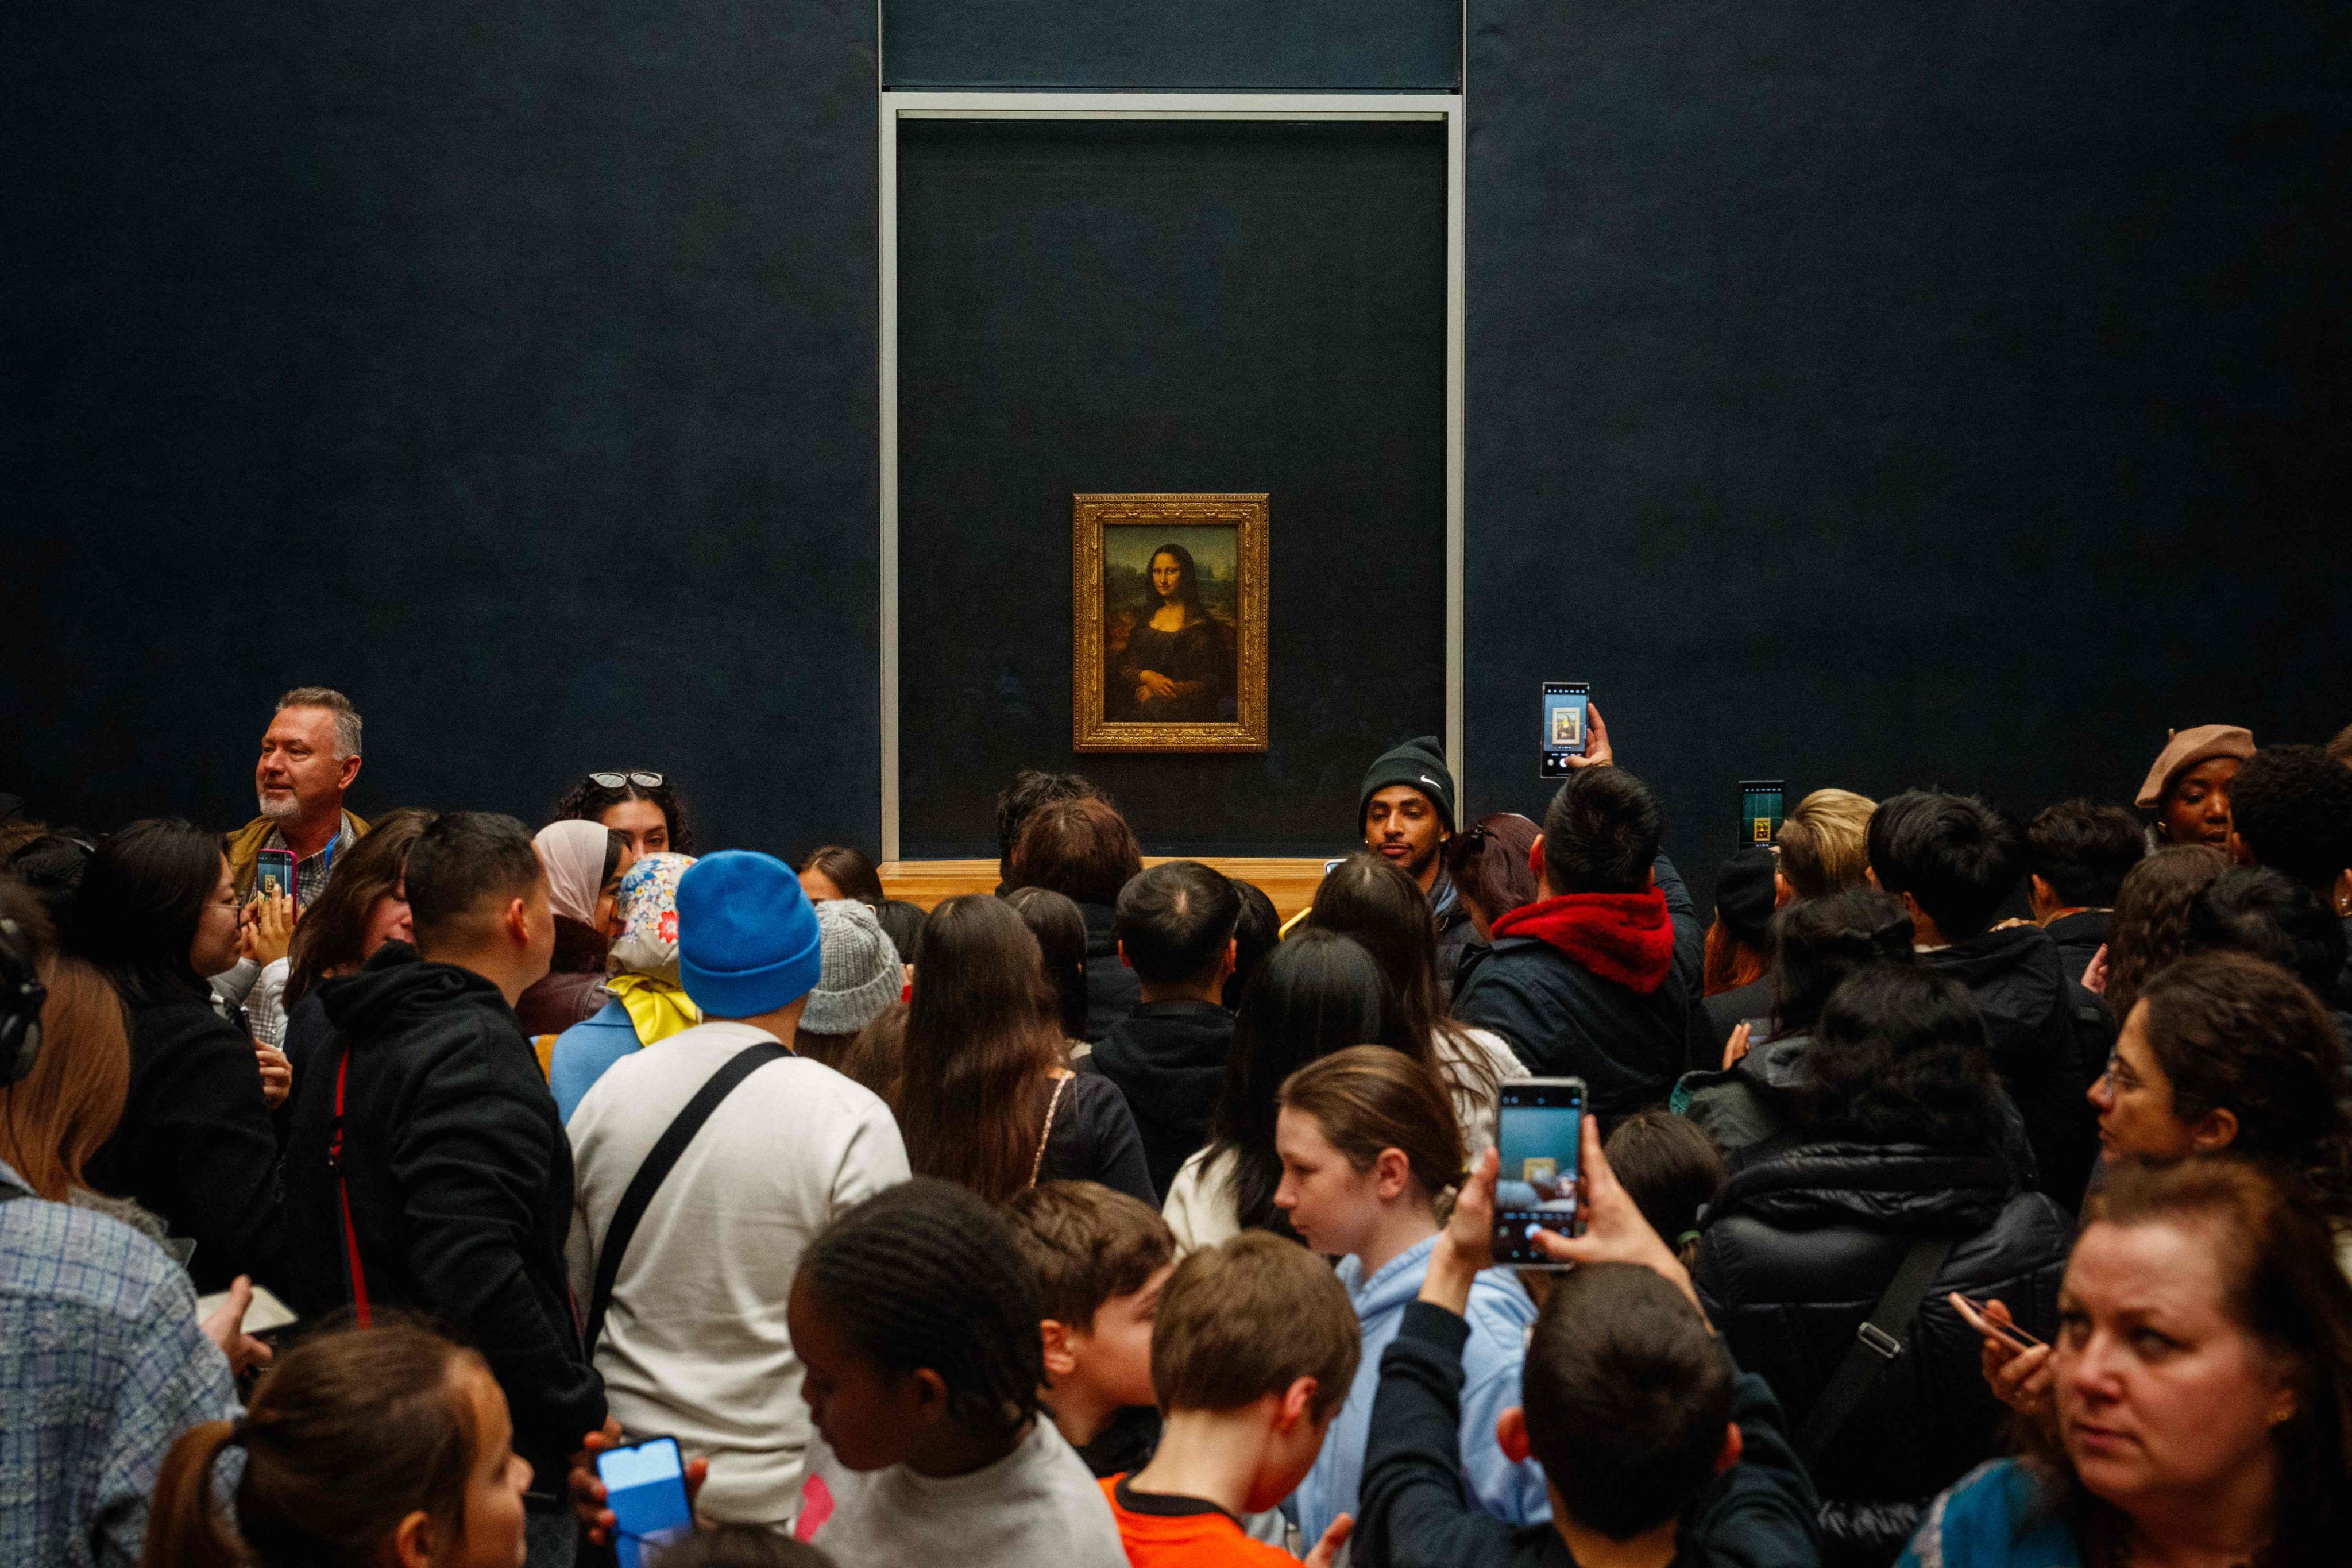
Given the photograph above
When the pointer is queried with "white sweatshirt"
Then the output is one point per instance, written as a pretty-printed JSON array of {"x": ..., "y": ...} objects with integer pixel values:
[{"x": 695, "y": 1345}]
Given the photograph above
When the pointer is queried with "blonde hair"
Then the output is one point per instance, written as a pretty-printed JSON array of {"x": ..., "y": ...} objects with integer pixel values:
[{"x": 1824, "y": 842}]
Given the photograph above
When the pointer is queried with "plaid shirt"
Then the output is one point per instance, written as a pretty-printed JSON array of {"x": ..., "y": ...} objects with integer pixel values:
[{"x": 101, "y": 1365}]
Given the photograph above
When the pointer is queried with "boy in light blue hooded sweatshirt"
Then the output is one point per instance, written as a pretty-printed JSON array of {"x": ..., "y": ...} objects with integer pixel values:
[{"x": 1368, "y": 1140}]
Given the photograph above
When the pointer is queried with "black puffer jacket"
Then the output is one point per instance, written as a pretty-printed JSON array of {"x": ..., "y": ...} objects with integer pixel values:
[
  {"x": 460, "y": 1186},
  {"x": 1793, "y": 1257},
  {"x": 2050, "y": 1040}
]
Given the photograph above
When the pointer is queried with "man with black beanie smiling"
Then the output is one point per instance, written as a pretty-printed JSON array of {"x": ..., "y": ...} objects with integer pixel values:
[{"x": 1405, "y": 815}]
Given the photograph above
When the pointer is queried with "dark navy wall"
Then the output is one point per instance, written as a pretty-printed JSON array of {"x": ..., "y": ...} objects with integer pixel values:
[
  {"x": 1872, "y": 398},
  {"x": 1857, "y": 395},
  {"x": 511, "y": 368}
]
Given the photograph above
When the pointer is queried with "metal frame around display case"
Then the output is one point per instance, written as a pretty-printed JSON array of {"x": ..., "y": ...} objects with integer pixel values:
[{"x": 1447, "y": 108}]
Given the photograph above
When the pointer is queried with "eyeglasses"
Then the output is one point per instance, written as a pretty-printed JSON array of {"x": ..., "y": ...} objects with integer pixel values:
[
  {"x": 2120, "y": 1075},
  {"x": 615, "y": 781}
]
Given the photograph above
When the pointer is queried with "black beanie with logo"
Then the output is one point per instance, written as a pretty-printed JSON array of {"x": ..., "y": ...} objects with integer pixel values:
[{"x": 1419, "y": 763}]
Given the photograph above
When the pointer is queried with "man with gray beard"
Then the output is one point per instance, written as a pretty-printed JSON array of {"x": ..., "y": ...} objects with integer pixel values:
[{"x": 309, "y": 755}]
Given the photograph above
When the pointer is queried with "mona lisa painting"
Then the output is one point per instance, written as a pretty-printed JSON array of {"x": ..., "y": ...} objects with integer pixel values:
[{"x": 1169, "y": 623}]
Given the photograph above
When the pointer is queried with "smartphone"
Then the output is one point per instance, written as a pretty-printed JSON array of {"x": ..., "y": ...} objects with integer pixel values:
[
  {"x": 644, "y": 1486},
  {"x": 1563, "y": 725},
  {"x": 2016, "y": 1336},
  {"x": 273, "y": 874},
  {"x": 1538, "y": 1123},
  {"x": 1760, "y": 811}
]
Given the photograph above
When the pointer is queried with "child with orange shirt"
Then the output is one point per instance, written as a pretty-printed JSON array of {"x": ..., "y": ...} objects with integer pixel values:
[{"x": 1252, "y": 1354}]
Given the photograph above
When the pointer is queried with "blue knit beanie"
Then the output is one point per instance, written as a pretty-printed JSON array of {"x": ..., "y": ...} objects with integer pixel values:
[{"x": 747, "y": 935}]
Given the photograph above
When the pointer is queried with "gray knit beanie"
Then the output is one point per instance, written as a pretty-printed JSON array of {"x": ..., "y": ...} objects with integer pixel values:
[{"x": 860, "y": 973}]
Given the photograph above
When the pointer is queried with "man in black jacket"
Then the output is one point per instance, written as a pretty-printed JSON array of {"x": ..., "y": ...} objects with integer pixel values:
[
  {"x": 1952, "y": 860},
  {"x": 1405, "y": 813},
  {"x": 1598, "y": 978},
  {"x": 1658, "y": 1450},
  {"x": 428, "y": 1122},
  {"x": 1174, "y": 925},
  {"x": 2076, "y": 853}
]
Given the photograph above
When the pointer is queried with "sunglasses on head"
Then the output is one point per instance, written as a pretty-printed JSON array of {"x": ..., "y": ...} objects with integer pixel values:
[{"x": 615, "y": 781}]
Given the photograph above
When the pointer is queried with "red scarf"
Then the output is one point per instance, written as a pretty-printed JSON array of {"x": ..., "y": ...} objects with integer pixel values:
[{"x": 1622, "y": 937}]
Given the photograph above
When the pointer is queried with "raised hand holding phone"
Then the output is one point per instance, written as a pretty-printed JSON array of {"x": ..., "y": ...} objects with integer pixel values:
[{"x": 1614, "y": 1230}]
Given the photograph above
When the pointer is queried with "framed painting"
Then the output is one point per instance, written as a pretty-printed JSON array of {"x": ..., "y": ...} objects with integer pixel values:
[{"x": 1168, "y": 621}]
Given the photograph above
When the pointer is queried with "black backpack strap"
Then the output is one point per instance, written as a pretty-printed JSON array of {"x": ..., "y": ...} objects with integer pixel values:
[
  {"x": 655, "y": 1170},
  {"x": 1878, "y": 1341}
]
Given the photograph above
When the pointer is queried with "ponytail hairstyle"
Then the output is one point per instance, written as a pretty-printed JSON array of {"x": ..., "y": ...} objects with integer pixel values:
[
  {"x": 1369, "y": 1100},
  {"x": 351, "y": 1433}
]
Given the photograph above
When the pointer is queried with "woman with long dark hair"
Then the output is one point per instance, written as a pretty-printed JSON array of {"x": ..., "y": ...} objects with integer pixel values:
[
  {"x": 1178, "y": 665},
  {"x": 1318, "y": 993},
  {"x": 642, "y": 803},
  {"x": 1378, "y": 903},
  {"x": 157, "y": 912},
  {"x": 1061, "y": 932},
  {"x": 983, "y": 1095},
  {"x": 1816, "y": 944}
]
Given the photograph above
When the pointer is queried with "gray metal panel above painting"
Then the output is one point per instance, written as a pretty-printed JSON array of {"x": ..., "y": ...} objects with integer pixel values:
[{"x": 1257, "y": 46}]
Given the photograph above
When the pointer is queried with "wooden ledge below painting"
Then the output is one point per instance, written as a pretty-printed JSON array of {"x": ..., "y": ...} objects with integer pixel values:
[{"x": 1290, "y": 883}]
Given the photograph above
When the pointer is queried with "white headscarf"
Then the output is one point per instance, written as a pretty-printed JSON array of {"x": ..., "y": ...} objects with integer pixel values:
[{"x": 573, "y": 854}]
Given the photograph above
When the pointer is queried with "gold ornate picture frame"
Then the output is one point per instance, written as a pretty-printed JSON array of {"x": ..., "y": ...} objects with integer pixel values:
[{"x": 1168, "y": 623}]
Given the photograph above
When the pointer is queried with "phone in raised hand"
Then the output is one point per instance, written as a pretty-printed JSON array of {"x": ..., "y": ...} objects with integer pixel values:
[
  {"x": 1539, "y": 1129},
  {"x": 1564, "y": 725}
]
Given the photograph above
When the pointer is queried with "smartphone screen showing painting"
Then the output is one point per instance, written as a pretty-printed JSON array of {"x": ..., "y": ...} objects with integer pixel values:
[{"x": 1169, "y": 622}]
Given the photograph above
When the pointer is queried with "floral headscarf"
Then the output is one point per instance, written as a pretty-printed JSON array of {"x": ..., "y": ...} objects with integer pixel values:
[
  {"x": 644, "y": 959},
  {"x": 648, "y": 908}
]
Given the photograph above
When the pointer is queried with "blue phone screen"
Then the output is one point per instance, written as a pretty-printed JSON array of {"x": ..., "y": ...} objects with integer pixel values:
[
  {"x": 644, "y": 1486},
  {"x": 1538, "y": 1127},
  {"x": 1563, "y": 723}
]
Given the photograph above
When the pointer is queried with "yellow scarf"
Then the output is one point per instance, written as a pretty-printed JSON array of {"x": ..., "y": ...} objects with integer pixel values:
[{"x": 656, "y": 1008}]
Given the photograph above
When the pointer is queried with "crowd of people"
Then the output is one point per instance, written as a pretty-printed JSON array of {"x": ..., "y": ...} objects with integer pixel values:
[{"x": 1961, "y": 1192}]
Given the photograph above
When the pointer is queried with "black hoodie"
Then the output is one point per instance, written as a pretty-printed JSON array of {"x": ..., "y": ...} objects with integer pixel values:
[
  {"x": 2050, "y": 1040},
  {"x": 1169, "y": 1059},
  {"x": 460, "y": 1186}
]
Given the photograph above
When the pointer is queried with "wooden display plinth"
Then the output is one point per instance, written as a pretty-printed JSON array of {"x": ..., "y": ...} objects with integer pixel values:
[{"x": 1290, "y": 883}]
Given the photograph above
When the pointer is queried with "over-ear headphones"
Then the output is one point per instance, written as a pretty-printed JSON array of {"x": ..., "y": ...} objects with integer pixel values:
[{"x": 21, "y": 996}]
